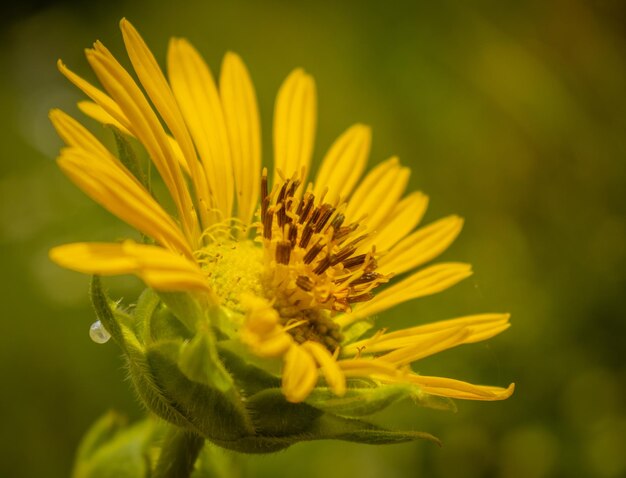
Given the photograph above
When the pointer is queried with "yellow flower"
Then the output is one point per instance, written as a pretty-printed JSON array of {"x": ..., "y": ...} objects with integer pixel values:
[{"x": 296, "y": 266}]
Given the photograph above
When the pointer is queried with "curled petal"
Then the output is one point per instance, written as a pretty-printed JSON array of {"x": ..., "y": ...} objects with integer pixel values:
[
  {"x": 299, "y": 374},
  {"x": 447, "y": 387}
]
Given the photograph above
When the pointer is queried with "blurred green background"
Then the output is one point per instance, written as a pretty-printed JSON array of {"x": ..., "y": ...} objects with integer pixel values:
[{"x": 511, "y": 114}]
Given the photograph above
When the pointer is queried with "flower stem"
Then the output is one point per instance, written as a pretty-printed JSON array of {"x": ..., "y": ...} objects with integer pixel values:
[{"x": 178, "y": 454}]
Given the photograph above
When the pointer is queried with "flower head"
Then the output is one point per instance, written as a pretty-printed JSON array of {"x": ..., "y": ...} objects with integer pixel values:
[{"x": 265, "y": 277}]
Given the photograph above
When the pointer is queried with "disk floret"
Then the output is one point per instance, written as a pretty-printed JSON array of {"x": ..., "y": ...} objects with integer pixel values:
[{"x": 315, "y": 264}]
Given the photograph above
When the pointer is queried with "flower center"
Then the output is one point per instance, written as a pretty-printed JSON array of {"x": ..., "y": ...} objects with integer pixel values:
[
  {"x": 315, "y": 265},
  {"x": 311, "y": 266}
]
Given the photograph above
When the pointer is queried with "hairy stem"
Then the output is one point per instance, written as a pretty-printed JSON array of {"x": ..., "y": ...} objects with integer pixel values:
[{"x": 178, "y": 454}]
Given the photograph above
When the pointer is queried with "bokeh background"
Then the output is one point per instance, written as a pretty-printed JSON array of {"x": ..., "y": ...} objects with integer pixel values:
[{"x": 512, "y": 114}]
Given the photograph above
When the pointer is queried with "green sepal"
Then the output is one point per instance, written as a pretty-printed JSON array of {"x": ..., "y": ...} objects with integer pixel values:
[
  {"x": 157, "y": 322},
  {"x": 359, "y": 402},
  {"x": 206, "y": 411},
  {"x": 111, "y": 450},
  {"x": 185, "y": 308},
  {"x": 141, "y": 375},
  {"x": 251, "y": 373},
  {"x": 199, "y": 359},
  {"x": 275, "y": 416},
  {"x": 146, "y": 307},
  {"x": 346, "y": 429},
  {"x": 127, "y": 156},
  {"x": 280, "y": 424},
  {"x": 433, "y": 401},
  {"x": 104, "y": 313},
  {"x": 199, "y": 362}
]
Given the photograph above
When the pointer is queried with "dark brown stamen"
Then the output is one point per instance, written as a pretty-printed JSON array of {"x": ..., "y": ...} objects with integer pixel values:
[
  {"x": 361, "y": 298},
  {"x": 315, "y": 215},
  {"x": 281, "y": 215},
  {"x": 267, "y": 223},
  {"x": 343, "y": 254},
  {"x": 293, "y": 188},
  {"x": 293, "y": 234},
  {"x": 322, "y": 266},
  {"x": 338, "y": 221},
  {"x": 283, "y": 252},
  {"x": 307, "y": 232},
  {"x": 307, "y": 207},
  {"x": 281, "y": 194},
  {"x": 354, "y": 261},
  {"x": 304, "y": 283},
  {"x": 340, "y": 234},
  {"x": 265, "y": 201},
  {"x": 325, "y": 216},
  {"x": 313, "y": 252}
]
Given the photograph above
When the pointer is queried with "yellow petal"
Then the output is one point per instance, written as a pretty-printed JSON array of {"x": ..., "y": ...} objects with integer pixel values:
[
  {"x": 299, "y": 374},
  {"x": 75, "y": 134},
  {"x": 334, "y": 376},
  {"x": 199, "y": 101},
  {"x": 426, "y": 345},
  {"x": 148, "y": 130},
  {"x": 422, "y": 246},
  {"x": 479, "y": 327},
  {"x": 295, "y": 117},
  {"x": 118, "y": 192},
  {"x": 447, "y": 387},
  {"x": 96, "y": 112},
  {"x": 101, "y": 98},
  {"x": 378, "y": 193},
  {"x": 402, "y": 219},
  {"x": 368, "y": 368},
  {"x": 344, "y": 163},
  {"x": 159, "y": 91},
  {"x": 157, "y": 267},
  {"x": 244, "y": 131}
]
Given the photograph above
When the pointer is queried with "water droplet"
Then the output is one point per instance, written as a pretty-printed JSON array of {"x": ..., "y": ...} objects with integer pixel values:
[{"x": 98, "y": 333}]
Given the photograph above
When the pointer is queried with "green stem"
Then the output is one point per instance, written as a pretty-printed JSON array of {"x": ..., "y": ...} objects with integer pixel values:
[{"x": 178, "y": 454}]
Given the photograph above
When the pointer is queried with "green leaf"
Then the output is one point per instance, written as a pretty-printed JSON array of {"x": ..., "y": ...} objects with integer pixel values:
[
  {"x": 216, "y": 462},
  {"x": 100, "y": 433},
  {"x": 116, "y": 451}
]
